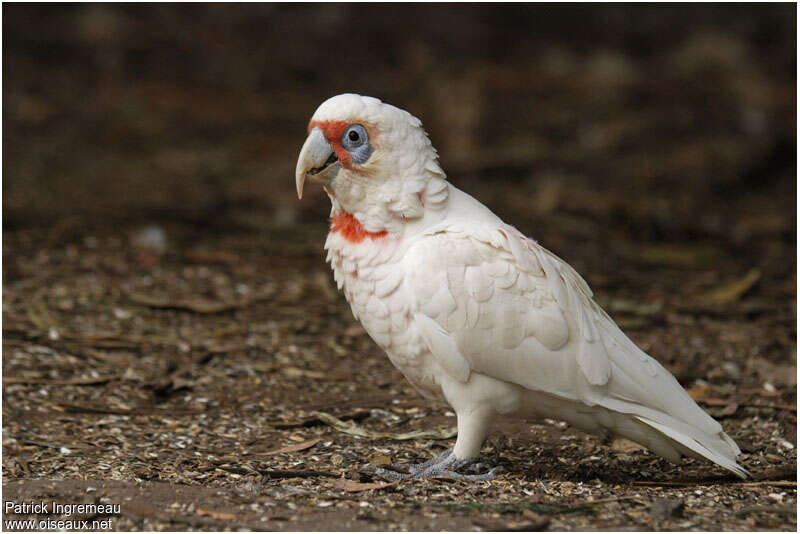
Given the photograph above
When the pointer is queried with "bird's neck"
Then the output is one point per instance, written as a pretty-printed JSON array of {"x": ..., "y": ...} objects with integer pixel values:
[
  {"x": 351, "y": 230},
  {"x": 396, "y": 214}
]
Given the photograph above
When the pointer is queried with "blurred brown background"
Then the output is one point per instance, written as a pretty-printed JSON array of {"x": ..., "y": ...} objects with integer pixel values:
[
  {"x": 684, "y": 115},
  {"x": 168, "y": 318}
]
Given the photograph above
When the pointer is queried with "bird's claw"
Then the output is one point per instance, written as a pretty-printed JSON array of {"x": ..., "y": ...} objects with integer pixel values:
[
  {"x": 382, "y": 472},
  {"x": 489, "y": 475},
  {"x": 444, "y": 465}
]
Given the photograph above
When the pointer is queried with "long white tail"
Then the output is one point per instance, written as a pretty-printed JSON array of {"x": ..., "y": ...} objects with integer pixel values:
[
  {"x": 660, "y": 432},
  {"x": 658, "y": 411},
  {"x": 720, "y": 449}
]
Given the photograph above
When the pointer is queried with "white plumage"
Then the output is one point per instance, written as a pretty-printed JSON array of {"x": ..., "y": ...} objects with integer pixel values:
[{"x": 471, "y": 310}]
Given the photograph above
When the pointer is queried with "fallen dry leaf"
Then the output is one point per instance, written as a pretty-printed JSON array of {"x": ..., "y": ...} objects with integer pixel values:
[
  {"x": 733, "y": 291},
  {"x": 292, "y": 448},
  {"x": 353, "y": 486}
]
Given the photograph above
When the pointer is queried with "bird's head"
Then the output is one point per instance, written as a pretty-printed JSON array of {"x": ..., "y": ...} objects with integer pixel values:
[{"x": 374, "y": 160}]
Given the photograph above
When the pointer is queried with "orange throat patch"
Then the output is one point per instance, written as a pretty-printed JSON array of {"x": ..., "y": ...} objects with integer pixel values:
[{"x": 353, "y": 231}]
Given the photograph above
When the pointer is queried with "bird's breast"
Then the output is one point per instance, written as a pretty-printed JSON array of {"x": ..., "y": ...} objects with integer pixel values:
[{"x": 370, "y": 274}]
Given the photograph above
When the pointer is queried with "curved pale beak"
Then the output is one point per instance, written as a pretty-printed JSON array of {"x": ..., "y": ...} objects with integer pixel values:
[{"x": 317, "y": 161}]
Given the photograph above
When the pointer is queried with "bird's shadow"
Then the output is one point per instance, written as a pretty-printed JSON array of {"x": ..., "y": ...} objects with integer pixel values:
[{"x": 647, "y": 472}]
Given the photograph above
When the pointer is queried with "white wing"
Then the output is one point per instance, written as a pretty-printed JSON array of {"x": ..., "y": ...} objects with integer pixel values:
[{"x": 492, "y": 301}]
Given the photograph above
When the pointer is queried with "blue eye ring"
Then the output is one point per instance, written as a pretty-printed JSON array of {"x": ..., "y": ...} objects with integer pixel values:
[
  {"x": 354, "y": 137},
  {"x": 355, "y": 140}
]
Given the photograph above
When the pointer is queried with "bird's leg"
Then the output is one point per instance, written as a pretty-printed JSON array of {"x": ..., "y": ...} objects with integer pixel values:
[
  {"x": 472, "y": 429},
  {"x": 473, "y": 425}
]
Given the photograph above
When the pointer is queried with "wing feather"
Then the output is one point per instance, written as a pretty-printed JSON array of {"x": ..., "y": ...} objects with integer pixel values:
[
  {"x": 443, "y": 347},
  {"x": 494, "y": 302},
  {"x": 539, "y": 327}
]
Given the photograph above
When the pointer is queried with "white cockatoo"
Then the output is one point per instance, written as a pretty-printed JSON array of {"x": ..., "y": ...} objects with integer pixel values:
[{"x": 473, "y": 312}]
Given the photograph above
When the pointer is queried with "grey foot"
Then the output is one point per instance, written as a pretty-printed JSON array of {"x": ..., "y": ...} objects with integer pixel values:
[{"x": 445, "y": 465}]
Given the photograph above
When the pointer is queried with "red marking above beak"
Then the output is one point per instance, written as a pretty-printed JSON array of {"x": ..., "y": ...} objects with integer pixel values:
[{"x": 333, "y": 131}]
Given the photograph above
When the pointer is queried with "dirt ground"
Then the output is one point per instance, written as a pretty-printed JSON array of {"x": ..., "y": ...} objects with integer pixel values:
[{"x": 172, "y": 338}]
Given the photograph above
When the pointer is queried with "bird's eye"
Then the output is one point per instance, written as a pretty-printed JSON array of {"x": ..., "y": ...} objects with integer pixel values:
[
  {"x": 356, "y": 141},
  {"x": 354, "y": 137}
]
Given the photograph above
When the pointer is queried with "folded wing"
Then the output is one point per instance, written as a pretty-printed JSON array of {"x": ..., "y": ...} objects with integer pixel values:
[{"x": 497, "y": 303}]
